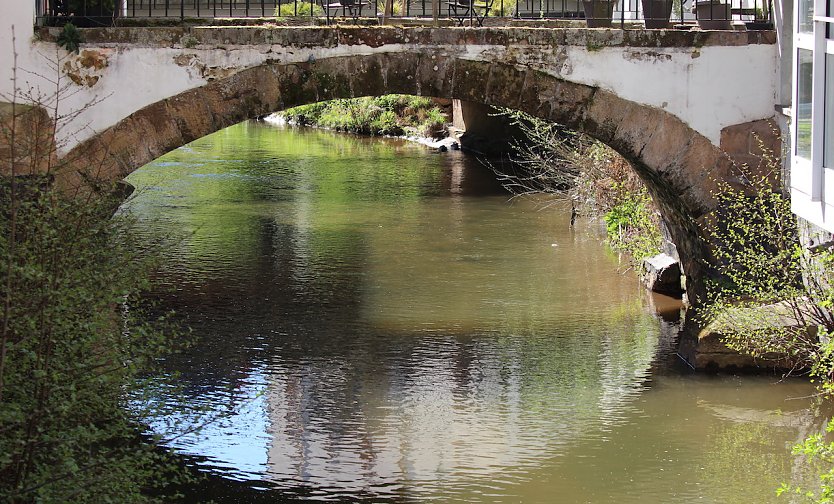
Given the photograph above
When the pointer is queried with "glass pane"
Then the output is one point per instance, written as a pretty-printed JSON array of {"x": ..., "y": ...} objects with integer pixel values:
[
  {"x": 806, "y": 16},
  {"x": 828, "y": 138},
  {"x": 803, "y": 103}
]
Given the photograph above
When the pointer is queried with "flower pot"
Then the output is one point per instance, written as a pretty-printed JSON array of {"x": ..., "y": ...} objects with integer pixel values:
[
  {"x": 713, "y": 15},
  {"x": 657, "y": 13},
  {"x": 598, "y": 13}
]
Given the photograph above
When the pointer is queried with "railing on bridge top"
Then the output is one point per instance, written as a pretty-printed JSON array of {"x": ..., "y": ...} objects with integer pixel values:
[{"x": 711, "y": 14}]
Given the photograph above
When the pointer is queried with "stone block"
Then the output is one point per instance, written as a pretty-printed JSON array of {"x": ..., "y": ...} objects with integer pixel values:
[{"x": 662, "y": 274}]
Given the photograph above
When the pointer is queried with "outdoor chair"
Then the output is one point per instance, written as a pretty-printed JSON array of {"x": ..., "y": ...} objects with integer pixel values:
[{"x": 473, "y": 10}]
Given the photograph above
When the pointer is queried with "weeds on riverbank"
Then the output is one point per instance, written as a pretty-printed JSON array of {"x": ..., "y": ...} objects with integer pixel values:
[{"x": 391, "y": 115}]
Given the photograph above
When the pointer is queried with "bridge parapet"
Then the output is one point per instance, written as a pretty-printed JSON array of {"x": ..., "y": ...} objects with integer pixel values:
[{"x": 709, "y": 79}]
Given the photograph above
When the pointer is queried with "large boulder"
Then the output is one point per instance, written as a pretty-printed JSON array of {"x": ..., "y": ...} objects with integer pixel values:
[{"x": 662, "y": 273}]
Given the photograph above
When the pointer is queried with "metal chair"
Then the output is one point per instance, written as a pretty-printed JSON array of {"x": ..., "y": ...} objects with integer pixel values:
[
  {"x": 461, "y": 10},
  {"x": 350, "y": 8}
]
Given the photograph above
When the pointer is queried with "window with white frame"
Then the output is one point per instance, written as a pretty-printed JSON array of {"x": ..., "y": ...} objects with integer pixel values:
[{"x": 813, "y": 103}]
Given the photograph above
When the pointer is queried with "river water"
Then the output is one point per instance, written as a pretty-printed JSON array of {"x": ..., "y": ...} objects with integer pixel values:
[{"x": 376, "y": 321}]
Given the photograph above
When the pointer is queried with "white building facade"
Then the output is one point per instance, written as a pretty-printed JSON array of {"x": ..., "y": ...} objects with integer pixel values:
[{"x": 812, "y": 125}]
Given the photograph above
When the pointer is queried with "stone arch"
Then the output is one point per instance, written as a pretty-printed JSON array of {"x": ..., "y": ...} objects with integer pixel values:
[{"x": 677, "y": 164}]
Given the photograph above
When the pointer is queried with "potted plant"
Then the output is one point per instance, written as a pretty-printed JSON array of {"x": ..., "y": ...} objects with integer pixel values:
[
  {"x": 598, "y": 13},
  {"x": 713, "y": 15},
  {"x": 656, "y": 13}
]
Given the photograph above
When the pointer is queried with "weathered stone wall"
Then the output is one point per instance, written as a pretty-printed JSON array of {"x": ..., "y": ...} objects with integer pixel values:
[
  {"x": 26, "y": 146},
  {"x": 486, "y": 131}
]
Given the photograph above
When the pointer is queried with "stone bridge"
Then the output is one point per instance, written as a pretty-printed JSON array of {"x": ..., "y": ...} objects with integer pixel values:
[{"x": 681, "y": 106}]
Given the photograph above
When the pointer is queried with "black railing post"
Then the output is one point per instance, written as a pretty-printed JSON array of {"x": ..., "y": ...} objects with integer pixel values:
[{"x": 622, "y": 14}]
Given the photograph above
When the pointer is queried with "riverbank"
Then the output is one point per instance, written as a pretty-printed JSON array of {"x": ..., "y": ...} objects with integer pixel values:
[
  {"x": 388, "y": 115},
  {"x": 448, "y": 143}
]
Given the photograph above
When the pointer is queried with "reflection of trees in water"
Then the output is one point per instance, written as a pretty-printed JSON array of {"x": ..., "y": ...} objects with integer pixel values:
[
  {"x": 445, "y": 408},
  {"x": 273, "y": 273},
  {"x": 747, "y": 456}
]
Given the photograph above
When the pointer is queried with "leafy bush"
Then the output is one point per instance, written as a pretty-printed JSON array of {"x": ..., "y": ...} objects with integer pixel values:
[
  {"x": 291, "y": 9},
  {"x": 387, "y": 123},
  {"x": 755, "y": 244},
  {"x": 73, "y": 345},
  {"x": 397, "y": 7},
  {"x": 632, "y": 225},
  {"x": 75, "y": 340},
  {"x": 434, "y": 124},
  {"x": 70, "y": 38},
  {"x": 384, "y": 115},
  {"x": 508, "y": 8}
]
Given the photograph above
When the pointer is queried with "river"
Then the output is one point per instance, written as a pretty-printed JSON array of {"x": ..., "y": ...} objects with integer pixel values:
[{"x": 376, "y": 321}]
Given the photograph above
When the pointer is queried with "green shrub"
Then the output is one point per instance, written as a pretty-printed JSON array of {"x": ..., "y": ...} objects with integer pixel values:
[
  {"x": 387, "y": 123},
  {"x": 632, "y": 224},
  {"x": 384, "y": 115},
  {"x": 508, "y": 7},
  {"x": 434, "y": 124},
  {"x": 74, "y": 344},
  {"x": 291, "y": 9},
  {"x": 397, "y": 7},
  {"x": 70, "y": 38}
]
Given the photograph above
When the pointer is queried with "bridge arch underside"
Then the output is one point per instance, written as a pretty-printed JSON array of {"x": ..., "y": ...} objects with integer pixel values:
[{"x": 677, "y": 164}]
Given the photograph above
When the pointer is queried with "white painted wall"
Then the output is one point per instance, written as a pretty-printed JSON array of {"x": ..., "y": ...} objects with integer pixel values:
[
  {"x": 17, "y": 20},
  {"x": 709, "y": 88}
]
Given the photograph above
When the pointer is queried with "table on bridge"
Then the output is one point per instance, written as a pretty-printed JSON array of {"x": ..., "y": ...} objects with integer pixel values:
[{"x": 349, "y": 8}]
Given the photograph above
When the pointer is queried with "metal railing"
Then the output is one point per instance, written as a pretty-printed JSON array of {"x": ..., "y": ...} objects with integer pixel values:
[{"x": 620, "y": 12}]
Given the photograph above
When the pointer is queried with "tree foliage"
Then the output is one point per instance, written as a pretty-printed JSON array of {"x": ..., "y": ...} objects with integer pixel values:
[
  {"x": 774, "y": 297},
  {"x": 393, "y": 115}
]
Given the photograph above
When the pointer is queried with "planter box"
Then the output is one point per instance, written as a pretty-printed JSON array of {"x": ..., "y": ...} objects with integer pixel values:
[
  {"x": 657, "y": 13},
  {"x": 714, "y": 15},
  {"x": 598, "y": 13}
]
